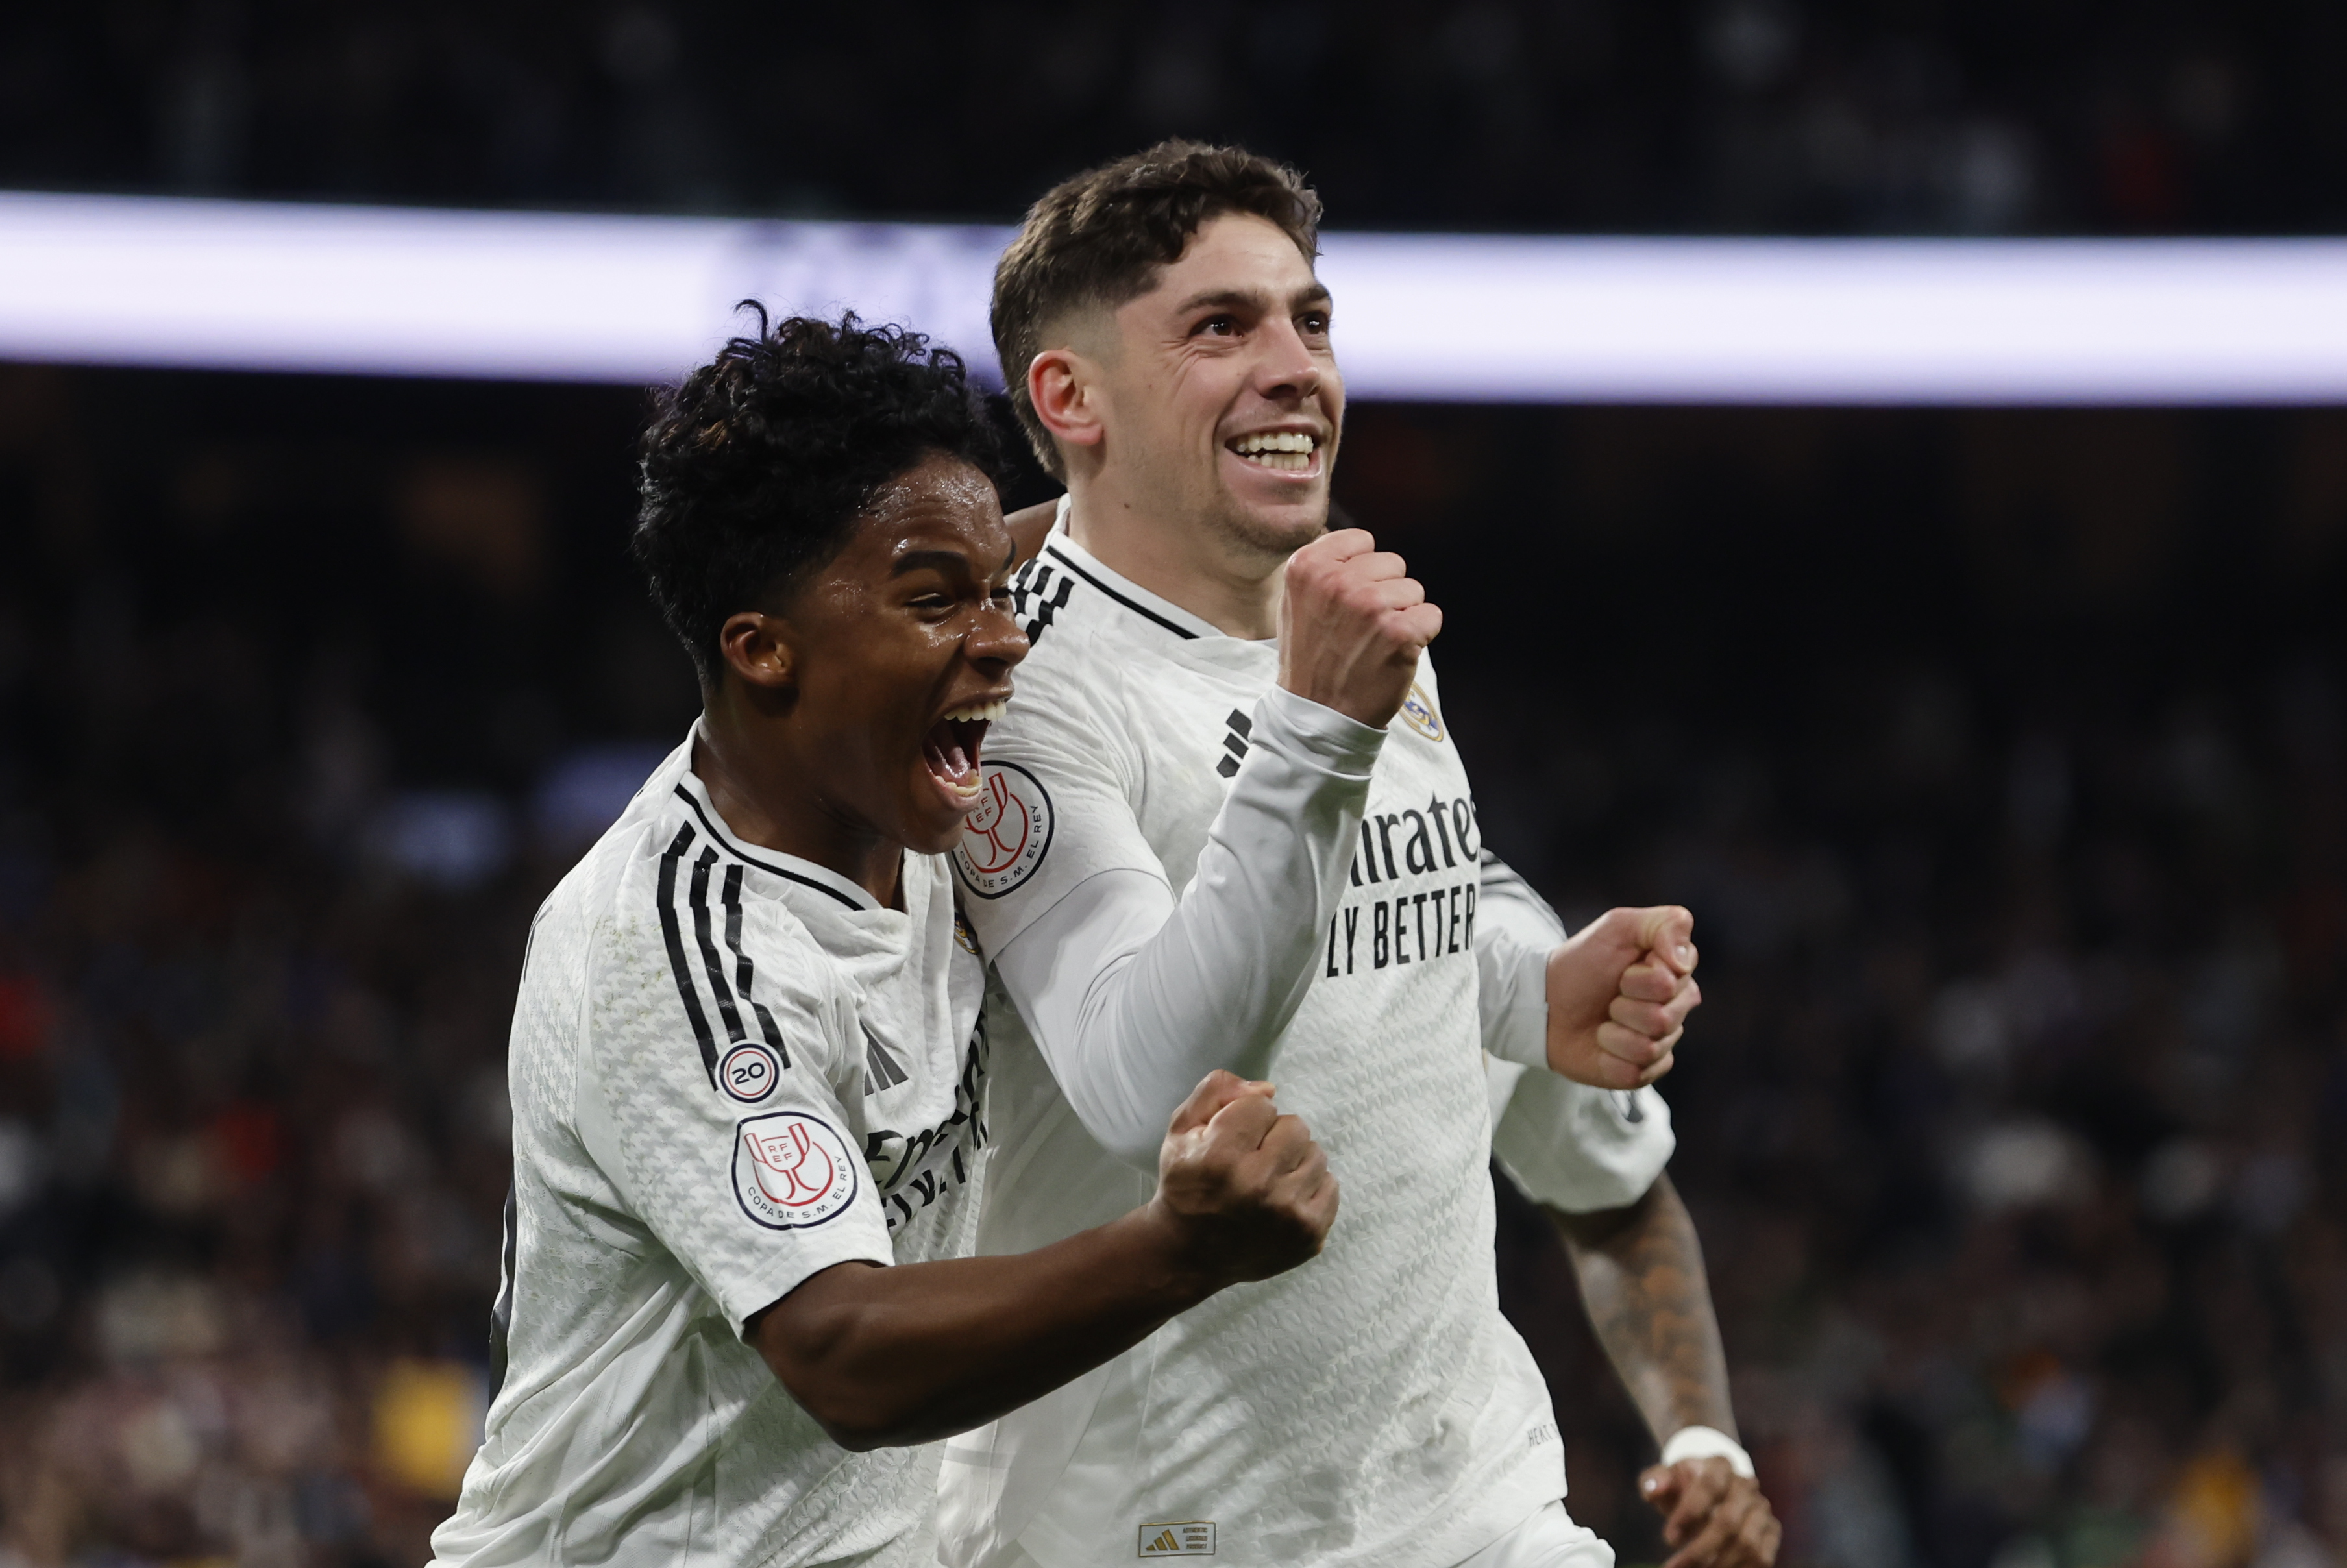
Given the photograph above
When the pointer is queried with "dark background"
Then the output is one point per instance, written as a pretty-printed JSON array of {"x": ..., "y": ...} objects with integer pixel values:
[
  {"x": 1768, "y": 115},
  {"x": 2000, "y": 753}
]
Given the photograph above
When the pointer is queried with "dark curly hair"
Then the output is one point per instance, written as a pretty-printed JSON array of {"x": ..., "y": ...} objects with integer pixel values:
[
  {"x": 1101, "y": 237},
  {"x": 755, "y": 469}
]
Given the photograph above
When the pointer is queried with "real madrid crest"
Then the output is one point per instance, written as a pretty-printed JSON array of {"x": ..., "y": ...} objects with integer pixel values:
[{"x": 1417, "y": 713}]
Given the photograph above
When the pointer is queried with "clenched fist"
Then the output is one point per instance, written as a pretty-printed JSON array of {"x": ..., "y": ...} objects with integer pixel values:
[
  {"x": 1619, "y": 991},
  {"x": 1715, "y": 1517},
  {"x": 1245, "y": 1188},
  {"x": 1352, "y": 622}
]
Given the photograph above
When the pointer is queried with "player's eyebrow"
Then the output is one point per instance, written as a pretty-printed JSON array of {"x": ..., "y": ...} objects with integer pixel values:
[
  {"x": 951, "y": 562},
  {"x": 1254, "y": 299}
]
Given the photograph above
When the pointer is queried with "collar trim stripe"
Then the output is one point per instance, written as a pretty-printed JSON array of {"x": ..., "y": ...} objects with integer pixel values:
[
  {"x": 1061, "y": 560},
  {"x": 726, "y": 839}
]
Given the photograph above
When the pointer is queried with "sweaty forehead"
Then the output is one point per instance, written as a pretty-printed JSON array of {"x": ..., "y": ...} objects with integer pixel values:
[
  {"x": 942, "y": 503},
  {"x": 938, "y": 485}
]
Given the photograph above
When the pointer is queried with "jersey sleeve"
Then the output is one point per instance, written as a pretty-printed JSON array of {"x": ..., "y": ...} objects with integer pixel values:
[
  {"x": 1515, "y": 932},
  {"x": 1574, "y": 1147},
  {"x": 1134, "y": 994},
  {"x": 1061, "y": 774},
  {"x": 1563, "y": 1143},
  {"x": 732, "y": 1150}
]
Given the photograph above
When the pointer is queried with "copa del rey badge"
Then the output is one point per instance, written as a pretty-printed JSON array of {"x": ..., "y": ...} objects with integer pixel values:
[
  {"x": 1004, "y": 839},
  {"x": 791, "y": 1170}
]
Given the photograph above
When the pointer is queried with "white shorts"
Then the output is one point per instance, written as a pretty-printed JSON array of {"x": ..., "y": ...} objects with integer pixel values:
[{"x": 1549, "y": 1539}]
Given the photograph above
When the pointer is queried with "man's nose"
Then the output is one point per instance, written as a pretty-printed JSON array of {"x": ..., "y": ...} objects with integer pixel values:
[
  {"x": 998, "y": 639},
  {"x": 1288, "y": 368}
]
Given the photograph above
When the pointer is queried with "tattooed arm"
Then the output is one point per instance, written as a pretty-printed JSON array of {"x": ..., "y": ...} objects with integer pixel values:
[{"x": 1642, "y": 1278}]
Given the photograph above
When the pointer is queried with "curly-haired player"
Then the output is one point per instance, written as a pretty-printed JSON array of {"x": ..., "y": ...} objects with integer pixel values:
[{"x": 746, "y": 1064}]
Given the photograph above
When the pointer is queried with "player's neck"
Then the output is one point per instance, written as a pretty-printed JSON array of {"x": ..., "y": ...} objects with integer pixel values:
[
  {"x": 769, "y": 796},
  {"x": 1231, "y": 587}
]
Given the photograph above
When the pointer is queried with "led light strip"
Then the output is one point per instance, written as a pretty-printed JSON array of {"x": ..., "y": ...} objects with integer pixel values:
[{"x": 534, "y": 296}]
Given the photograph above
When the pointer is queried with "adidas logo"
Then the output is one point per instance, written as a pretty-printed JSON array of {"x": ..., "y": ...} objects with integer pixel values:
[
  {"x": 881, "y": 1071},
  {"x": 1188, "y": 1538},
  {"x": 1235, "y": 744}
]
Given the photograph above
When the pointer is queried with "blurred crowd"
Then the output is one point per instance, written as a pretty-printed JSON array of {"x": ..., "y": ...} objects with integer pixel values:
[
  {"x": 2011, "y": 1119},
  {"x": 1824, "y": 116}
]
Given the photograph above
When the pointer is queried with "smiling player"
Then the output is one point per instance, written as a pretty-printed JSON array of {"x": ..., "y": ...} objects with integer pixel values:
[
  {"x": 746, "y": 1068},
  {"x": 1177, "y": 876}
]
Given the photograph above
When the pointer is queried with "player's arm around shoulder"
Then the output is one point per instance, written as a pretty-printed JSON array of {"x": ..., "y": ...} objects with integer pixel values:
[
  {"x": 883, "y": 1356},
  {"x": 1030, "y": 526}
]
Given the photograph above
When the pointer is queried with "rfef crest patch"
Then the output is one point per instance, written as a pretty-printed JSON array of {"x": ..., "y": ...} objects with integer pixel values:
[
  {"x": 748, "y": 1072},
  {"x": 791, "y": 1170},
  {"x": 1004, "y": 840},
  {"x": 1417, "y": 713}
]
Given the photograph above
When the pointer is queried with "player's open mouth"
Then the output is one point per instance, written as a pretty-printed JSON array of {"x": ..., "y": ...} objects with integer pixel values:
[
  {"x": 951, "y": 748},
  {"x": 1281, "y": 451}
]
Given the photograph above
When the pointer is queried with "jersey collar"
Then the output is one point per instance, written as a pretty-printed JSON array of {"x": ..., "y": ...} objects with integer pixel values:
[
  {"x": 1135, "y": 605},
  {"x": 692, "y": 797}
]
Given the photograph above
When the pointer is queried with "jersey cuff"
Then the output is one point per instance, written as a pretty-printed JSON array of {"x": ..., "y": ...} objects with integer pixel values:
[
  {"x": 1514, "y": 999},
  {"x": 1322, "y": 735},
  {"x": 746, "y": 1295}
]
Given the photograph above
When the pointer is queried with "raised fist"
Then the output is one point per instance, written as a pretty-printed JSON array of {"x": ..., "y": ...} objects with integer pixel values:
[
  {"x": 1352, "y": 622},
  {"x": 1245, "y": 1188},
  {"x": 1619, "y": 992}
]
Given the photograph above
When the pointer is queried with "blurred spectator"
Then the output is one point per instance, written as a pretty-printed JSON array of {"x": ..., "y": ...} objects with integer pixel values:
[{"x": 1699, "y": 115}]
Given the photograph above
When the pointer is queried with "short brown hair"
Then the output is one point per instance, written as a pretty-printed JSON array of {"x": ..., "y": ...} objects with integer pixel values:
[{"x": 1099, "y": 239}]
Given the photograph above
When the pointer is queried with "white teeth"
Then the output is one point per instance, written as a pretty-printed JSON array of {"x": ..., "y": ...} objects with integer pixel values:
[
  {"x": 979, "y": 712},
  {"x": 1275, "y": 441}
]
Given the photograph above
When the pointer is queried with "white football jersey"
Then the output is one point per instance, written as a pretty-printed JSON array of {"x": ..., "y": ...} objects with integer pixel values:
[
  {"x": 730, "y": 1069},
  {"x": 1371, "y": 1407}
]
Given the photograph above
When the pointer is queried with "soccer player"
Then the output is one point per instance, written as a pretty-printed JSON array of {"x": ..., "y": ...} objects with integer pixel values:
[
  {"x": 1173, "y": 872},
  {"x": 747, "y": 1072}
]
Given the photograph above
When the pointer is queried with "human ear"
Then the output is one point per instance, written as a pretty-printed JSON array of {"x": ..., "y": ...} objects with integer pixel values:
[
  {"x": 1060, "y": 385},
  {"x": 756, "y": 647}
]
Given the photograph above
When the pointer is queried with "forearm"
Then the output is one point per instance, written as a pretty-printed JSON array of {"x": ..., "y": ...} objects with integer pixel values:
[
  {"x": 1643, "y": 1281},
  {"x": 1134, "y": 994},
  {"x": 890, "y": 1356}
]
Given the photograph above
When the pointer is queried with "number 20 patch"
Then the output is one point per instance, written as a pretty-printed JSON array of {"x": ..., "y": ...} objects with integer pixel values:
[{"x": 748, "y": 1072}]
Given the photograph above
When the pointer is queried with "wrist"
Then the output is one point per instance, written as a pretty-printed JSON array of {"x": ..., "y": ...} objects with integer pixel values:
[
  {"x": 1177, "y": 1265},
  {"x": 1708, "y": 1442},
  {"x": 1331, "y": 738}
]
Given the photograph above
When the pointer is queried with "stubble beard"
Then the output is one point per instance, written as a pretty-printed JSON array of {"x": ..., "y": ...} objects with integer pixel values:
[{"x": 1249, "y": 536}]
